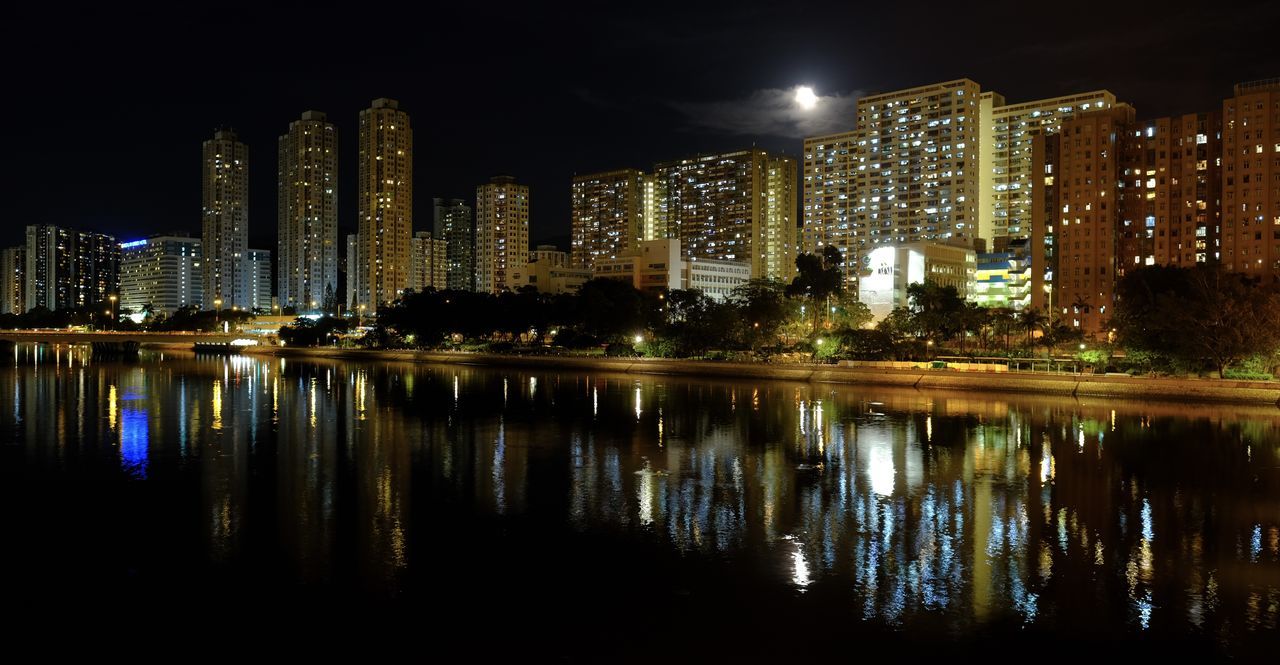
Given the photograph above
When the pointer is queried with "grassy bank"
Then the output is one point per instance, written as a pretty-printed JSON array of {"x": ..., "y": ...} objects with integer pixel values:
[{"x": 1194, "y": 390}]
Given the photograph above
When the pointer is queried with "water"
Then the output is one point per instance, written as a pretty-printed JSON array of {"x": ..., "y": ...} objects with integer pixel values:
[{"x": 481, "y": 514}]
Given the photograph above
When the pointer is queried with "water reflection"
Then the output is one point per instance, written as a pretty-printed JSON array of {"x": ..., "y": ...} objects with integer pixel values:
[{"x": 908, "y": 506}]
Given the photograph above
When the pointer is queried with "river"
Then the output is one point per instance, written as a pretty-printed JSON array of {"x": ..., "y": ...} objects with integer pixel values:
[{"x": 595, "y": 517}]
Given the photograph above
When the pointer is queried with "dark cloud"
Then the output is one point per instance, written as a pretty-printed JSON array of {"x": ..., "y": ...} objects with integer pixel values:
[{"x": 773, "y": 112}]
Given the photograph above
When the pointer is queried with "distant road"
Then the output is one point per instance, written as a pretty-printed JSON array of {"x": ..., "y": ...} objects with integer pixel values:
[{"x": 72, "y": 337}]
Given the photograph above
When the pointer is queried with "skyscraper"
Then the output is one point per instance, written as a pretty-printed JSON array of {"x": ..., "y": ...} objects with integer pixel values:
[
  {"x": 1080, "y": 225},
  {"x": 456, "y": 227},
  {"x": 225, "y": 222},
  {"x": 918, "y": 161},
  {"x": 1172, "y": 178},
  {"x": 736, "y": 206},
  {"x": 428, "y": 267},
  {"x": 68, "y": 269},
  {"x": 354, "y": 272},
  {"x": 161, "y": 272},
  {"x": 1005, "y": 157},
  {"x": 1250, "y": 171},
  {"x": 829, "y": 165},
  {"x": 258, "y": 268},
  {"x": 308, "y": 213},
  {"x": 13, "y": 268},
  {"x": 502, "y": 234},
  {"x": 385, "y": 202},
  {"x": 607, "y": 215}
]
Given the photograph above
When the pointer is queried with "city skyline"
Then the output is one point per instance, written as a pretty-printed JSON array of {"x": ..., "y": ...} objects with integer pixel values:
[{"x": 596, "y": 123}]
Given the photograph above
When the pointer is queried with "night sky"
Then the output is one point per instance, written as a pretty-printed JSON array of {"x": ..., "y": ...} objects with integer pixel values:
[{"x": 105, "y": 108}]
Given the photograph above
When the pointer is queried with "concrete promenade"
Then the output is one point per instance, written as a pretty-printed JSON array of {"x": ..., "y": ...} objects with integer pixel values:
[{"x": 1043, "y": 383}]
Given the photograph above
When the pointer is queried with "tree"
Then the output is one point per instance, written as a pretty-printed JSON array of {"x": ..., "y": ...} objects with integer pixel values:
[
  {"x": 330, "y": 300},
  {"x": 318, "y": 332},
  {"x": 817, "y": 279},
  {"x": 764, "y": 309},
  {"x": 938, "y": 310},
  {"x": 1200, "y": 315},
  {"x": 1031, "y": 321}
]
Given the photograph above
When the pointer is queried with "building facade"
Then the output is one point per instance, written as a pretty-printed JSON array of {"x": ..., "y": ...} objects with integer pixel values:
[
  {"x": 1079, "y": 226},
  {"x": 225, "y": 221},
  {"x": 1006, "y": 159},
  {"x": 258, "y": 266},
  {"x": 608, "y": 214},
  {"x": 502, "y": 234},
  {"x": 1251, "y": 180},
  {"x": 13, "y": 270},
  {"x": 354, "y": 272},
  {"x": 827, "y": 202},
  {"x": 454, "y": 224},
  {"x": 429, "y": 267},
  {"x": 1171, "y": 191},
  {"x": 917, "y": 177},
  {"x": 1118, "y": 194},
  {"x": 161, "y": 274},
  {"x": 68, "y": 269},
  {"x": 385, "y": 203},
  {"x": 737, "y": 207},
  {"x": 660, "y": 265},
  {"x": 895, "y": 267},
  {"x": 1003, "y": 279},
  {"x": 307, "y": 216}
]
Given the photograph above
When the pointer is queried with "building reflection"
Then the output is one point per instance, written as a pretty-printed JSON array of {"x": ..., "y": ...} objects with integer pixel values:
[{"x": 977, "y": 508}]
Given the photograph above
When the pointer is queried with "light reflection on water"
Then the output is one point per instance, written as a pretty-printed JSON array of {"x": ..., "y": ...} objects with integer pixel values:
[{"x": 913, "y": 506}]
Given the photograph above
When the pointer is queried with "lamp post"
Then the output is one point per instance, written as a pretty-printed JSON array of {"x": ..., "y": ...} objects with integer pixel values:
[
  {"x": 217, "y": 312},
  {"x": 111, "y": 311}
]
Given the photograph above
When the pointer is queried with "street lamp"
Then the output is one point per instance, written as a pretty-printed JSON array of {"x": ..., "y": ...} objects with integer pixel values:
[
  {"x": 217, "y": 311},
  {"x": 111, "y": 311}
]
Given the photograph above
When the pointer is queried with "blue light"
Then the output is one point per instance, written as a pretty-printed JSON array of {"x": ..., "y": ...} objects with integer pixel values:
[
  {"x": 134, "y": 442},
  {"x": 132, "y": 244}
]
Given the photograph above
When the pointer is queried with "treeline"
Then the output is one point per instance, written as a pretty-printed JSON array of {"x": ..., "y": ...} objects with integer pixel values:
[
  {"x": 1178, "y": 320},
  {"x": 813, "y": 314},
  {"x": 190, "y": 318}
]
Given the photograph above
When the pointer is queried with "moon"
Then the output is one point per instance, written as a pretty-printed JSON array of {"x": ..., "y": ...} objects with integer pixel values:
[{"x": 805, "y": 97}]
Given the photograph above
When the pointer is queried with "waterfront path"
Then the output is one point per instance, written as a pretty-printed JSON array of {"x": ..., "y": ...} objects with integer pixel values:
[{"x": 1070, "y": 385}]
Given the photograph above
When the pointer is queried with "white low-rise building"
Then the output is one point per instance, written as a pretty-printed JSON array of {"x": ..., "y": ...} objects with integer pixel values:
[{"x": 658, "y": 266}]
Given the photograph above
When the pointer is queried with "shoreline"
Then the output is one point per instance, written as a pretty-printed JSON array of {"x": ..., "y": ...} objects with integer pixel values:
[{"x": 1065, "y": 385}]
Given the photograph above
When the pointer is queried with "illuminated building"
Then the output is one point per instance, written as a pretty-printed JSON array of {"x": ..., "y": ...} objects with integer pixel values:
[
  {"x": 385, "y": 201},
  {"x": 1172, "y": 183},
  {"x": 13, "y": 268},
  {"x": 1119, "y": 194},
  {"x": 502, "y": 234},
  {"x": 659, "y": 265},
  {"x": 892, "y": 268},
  {"x": 225, "y": 221},
  {"x": 828, "y": 195},
  {"x": 456, "y": 227},
  {"x": 1005, "y": 157},
  {"x": 429, "y": 263},
  {"x": 68, "y": 269},
  {"x": 548, "y": 271},
  {"x": 1079, "y": 220},
  {"x": 308, "y": 213},
  {"x": 1250, "y": 171},
  {"x": 917, "y": 165},
  {"x": 737, "y": 206},
  {"x": 161, "y": 273},
  {"x": 258, "y": 267},
  {"x": 353, "y": 271},
  {"x": 1003, "y": 279},
  {"x": 613, "y": 211}
]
